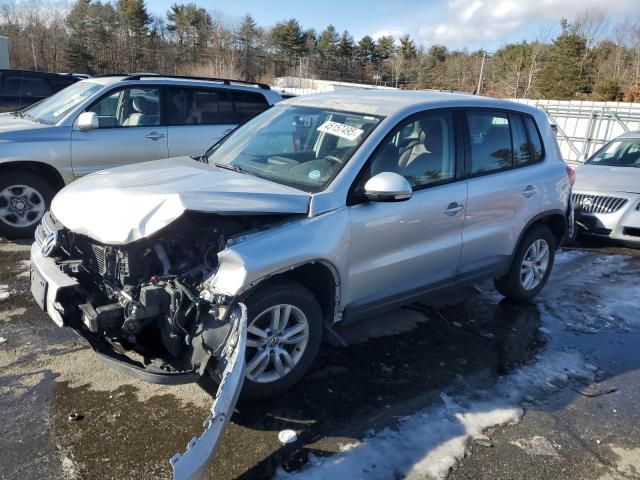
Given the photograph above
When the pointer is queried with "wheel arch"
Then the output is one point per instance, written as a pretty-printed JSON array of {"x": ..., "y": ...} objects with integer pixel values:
[
  {"x": 44, "y": 170},
  {"x": 554, "y": 220},
  {"x": 320, "y": 277}
]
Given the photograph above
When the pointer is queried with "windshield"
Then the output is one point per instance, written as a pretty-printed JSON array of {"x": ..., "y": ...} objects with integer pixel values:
[
  {"x": 50, "y": 110},
  {"x": 301, "y": 147},
  {"x": 623, "y": 152}
]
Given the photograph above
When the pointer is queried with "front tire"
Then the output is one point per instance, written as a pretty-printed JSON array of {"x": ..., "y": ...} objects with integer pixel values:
[
  {"x": 531, "y": 266},
  {"x": 283, "y": 337},
  {"x": 24, "y": 198}
]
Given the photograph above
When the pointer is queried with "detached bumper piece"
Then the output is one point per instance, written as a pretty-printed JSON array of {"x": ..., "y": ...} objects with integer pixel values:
[
  {"x": 148, "y": 373},
  {"x": 191, "y": 464}
]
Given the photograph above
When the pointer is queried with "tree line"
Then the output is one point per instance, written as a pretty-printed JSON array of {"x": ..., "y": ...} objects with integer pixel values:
[{"x": 588, "y": 58}]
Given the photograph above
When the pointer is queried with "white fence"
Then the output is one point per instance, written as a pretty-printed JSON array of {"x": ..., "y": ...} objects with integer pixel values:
[
  {"x": 305, "y": 86},
  {"x": 584, "y": 126}
]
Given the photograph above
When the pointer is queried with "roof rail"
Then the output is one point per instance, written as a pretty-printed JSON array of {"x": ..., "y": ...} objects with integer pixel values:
[{"x": 226, "y": 81}]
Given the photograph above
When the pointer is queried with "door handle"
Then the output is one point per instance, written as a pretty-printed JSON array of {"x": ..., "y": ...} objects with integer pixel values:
[
  {"x": 227, "y": 131},
  {"x": 530, "y": 191},
  {"x": 453, "y": 208},
  {"x": 154, "y": 136}
]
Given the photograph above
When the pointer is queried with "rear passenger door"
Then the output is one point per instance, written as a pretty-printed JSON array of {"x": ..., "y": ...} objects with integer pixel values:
[
  {"x": 199, "y": 116},
  {"x": 505, "y": 187}
]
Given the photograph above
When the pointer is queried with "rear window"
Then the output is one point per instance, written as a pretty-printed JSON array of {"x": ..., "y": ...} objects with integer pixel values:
[
  {"x": 248, "y": 104},
  {"x": 192, "y": 106}
]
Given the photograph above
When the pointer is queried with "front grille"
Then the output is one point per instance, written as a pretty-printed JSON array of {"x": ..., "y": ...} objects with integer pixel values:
[
  {"x": 47, "y": 225},
  {"x": 597, "y": 203}
]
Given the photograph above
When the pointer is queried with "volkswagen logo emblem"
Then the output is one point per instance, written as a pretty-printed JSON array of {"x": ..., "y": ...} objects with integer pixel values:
[
  {"x": 587, "y": 202},
  {"x": 49, "y": 244}
]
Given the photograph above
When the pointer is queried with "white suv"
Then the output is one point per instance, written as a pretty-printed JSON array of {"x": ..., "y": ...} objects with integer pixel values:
[{"x": 109, "y": 121}]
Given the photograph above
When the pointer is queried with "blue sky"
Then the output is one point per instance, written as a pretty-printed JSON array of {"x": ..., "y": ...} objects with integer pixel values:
[{"x": 455, "y": 23}]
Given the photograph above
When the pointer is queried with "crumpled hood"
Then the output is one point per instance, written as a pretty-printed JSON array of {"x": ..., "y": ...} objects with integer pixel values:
[
  {"x": 604, "y": 178},
  {"x": 121, "y": 205}
]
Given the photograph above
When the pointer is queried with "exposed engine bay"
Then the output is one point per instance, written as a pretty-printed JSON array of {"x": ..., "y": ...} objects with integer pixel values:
[{"x": 142, "y": 305}]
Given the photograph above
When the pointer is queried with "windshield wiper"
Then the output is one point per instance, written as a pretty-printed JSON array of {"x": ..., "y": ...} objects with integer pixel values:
[{"x": 234, "y": 168}]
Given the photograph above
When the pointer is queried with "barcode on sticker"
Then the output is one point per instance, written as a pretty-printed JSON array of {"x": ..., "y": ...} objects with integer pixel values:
[{"x": 340, "y": 130}]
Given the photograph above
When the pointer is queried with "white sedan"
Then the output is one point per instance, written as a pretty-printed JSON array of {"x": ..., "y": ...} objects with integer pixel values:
[{"x": 606, "y": 194}]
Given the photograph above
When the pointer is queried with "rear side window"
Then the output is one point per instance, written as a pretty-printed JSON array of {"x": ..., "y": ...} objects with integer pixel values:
[
  {"x": 521, "y": 145},
  {"x": 248, "y": 104},
  {"x": 534, "y": 138},
  {"x": 192, "y": 106},
  {"x": 35, "y": 87},
  {"x": 490, "y": 140}
]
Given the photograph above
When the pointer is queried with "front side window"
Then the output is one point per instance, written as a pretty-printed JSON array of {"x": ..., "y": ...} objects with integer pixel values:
[
  {"x": 53, "y": 109},
  {"x": 490, "y": 141},
  {"x": 190, "y": 106},
  {"x": 623, "y": 152},
  {"x": 301, "y": 147},
  {"x": 422, "y": 150},
  {"x": 128, "y": 107}
]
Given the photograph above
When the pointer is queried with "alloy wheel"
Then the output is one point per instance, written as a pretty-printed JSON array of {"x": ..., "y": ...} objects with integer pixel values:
[
  {"x": 21, "y": 206},
  {"x": 276, "y": 341},
  {"x": 534, "y": 264}
]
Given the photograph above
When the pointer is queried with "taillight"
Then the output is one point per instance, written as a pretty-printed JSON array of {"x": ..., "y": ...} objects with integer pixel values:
[{"x": 571, "y": 173}]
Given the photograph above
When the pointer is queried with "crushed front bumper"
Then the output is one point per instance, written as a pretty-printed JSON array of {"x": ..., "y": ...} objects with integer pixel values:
[{"x": 50, "y": 288}]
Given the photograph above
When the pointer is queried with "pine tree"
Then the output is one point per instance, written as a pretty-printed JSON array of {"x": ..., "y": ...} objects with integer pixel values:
[{"x": 78, "y": 22}]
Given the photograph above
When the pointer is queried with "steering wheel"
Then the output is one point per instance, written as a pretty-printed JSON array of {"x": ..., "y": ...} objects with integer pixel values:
[{"x": 333, "y": 159}]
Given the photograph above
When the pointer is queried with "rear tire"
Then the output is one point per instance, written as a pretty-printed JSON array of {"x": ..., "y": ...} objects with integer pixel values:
[
  {"x": 24, "y": 198},
  {"x": 304, "y": 314},
  {"x": 531, "y": 266}
]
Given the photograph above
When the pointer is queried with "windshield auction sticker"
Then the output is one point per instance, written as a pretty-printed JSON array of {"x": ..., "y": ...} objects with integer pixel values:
[{"x": 340, "y": 130}]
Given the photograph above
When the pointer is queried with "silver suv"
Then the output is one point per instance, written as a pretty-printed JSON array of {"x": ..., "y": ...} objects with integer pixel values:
[
  {"x": 109, "y": 121},
  {"x": 321, "y": 210}
]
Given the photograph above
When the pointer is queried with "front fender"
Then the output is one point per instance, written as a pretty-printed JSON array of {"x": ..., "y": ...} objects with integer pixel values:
[{"x": 324, "y": 238}]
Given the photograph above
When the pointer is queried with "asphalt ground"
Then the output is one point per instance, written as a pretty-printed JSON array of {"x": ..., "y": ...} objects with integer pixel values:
[{"x": 395, "y": 364}]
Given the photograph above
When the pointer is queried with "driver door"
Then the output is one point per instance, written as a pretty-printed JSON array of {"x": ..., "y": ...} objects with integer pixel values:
[
  {"x": 130, "y": 130},
  {"x": 399, "y": 249}
]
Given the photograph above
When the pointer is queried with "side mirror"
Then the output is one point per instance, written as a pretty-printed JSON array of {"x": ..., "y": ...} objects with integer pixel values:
[
  {"x": 387, "y": 187},
  {"x": 582, "y": 158},
  {"x": 87, "y": 121}
]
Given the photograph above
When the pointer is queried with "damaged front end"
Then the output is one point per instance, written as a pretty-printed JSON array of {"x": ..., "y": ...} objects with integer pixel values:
[
  {"x": 143, "y": 308},
  {"x": 140, "y": 305}
]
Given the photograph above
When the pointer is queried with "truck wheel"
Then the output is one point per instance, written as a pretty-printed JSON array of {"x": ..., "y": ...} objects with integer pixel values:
[
  {"x": 531, "y": 266},
  {"x": 24, "y": 198},
  {"x": 283, "y": 337}
]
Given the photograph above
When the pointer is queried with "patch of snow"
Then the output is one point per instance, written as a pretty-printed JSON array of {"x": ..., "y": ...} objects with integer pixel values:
[
  {"x": 429, "y": 443},
  {"x": 23, "y": 269},
  {"x": 566, "y": 256},
  {"x": 69, "y": 469},
  {"x": 537, "y": 445},
  {"x": 5, "y": 293},
  {"x": 285, "y": 437}
]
